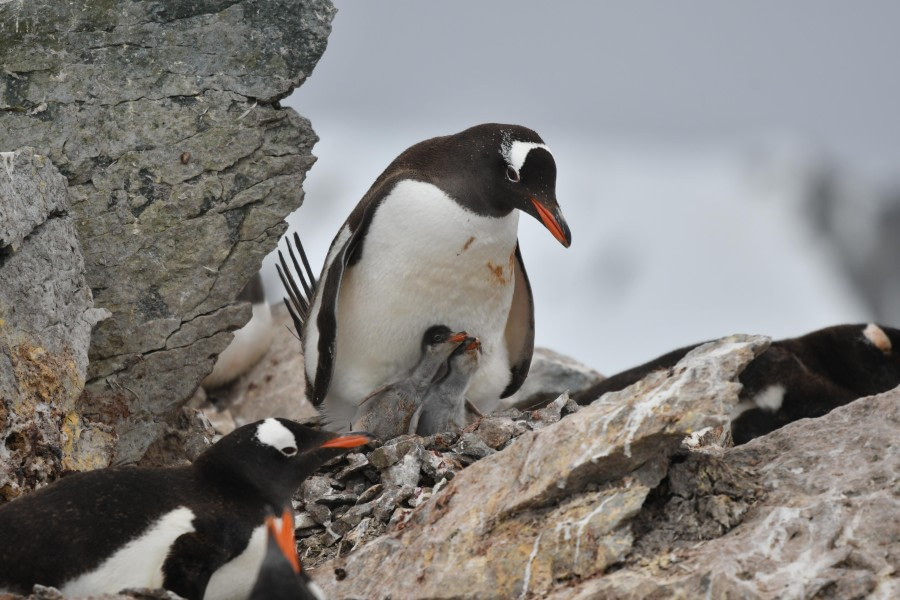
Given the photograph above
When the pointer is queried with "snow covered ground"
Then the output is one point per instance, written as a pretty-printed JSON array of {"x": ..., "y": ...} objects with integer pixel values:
[{"x": 671, "y": 245}]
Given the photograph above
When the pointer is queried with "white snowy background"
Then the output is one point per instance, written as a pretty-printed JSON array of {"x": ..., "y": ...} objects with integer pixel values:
[{"x": 687, "y": 136}]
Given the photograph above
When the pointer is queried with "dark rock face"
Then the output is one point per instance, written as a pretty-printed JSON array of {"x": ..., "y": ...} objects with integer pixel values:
[
  {"x": 46, "y": 315},
  {"x": 181, "y": 168}
]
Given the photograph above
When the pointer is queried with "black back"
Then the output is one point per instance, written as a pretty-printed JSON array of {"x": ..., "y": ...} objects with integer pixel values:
[
  {"x": 71, "y": 526},
  {"x": 819, "y": 371}
]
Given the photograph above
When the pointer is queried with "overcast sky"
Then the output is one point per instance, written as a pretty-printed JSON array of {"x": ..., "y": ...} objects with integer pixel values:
[{"x": 651, "y": 109}]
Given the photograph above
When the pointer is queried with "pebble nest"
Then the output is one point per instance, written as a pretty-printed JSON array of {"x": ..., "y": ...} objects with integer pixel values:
[{"x": 360, "y": 496}]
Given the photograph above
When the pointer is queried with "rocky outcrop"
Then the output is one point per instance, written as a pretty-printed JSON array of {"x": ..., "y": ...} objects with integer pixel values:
[
  {"x": 813, "y": 506},
  {"x": 46, "y": 316},
  {"x": 637, "y": 495},
  {"x": 555, "y": 504},
  {"x": 181, "y": 165}
]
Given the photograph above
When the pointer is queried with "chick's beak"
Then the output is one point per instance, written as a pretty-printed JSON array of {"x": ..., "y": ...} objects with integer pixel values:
[
  {"x": 554, "y": 222},
  {"x": 458, "y": 338}
]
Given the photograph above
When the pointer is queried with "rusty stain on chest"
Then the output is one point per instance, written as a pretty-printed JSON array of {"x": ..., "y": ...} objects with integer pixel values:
[{"x": 499, "y": 274}]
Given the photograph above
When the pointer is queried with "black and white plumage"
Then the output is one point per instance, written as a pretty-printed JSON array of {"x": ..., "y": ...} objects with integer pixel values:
[
  {"x": 444, "y": 405},
  {"x": 196, "y": 530},
  {"x": 795, "y": 378},
  {"x": 434, "y": 240},
  {"x": 388, "y": 412}
]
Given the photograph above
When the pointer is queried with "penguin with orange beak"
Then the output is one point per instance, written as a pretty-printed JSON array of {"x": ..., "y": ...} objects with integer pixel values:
[
  {"x": 434, "y": 240},
  {"x": 198, "y": 530}
]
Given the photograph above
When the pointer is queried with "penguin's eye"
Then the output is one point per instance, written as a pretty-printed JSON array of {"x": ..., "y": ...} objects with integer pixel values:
[
  {"x": 512, "y": 174},
  {"x": 289, "y": 451}
]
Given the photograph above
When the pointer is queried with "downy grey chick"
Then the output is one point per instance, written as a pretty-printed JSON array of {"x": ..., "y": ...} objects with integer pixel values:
[
  {"x": 444, "y": 406},
  {"x": 388, "y": 411}
]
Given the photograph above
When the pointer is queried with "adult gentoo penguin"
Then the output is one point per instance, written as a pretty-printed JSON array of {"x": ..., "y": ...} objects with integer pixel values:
[
  {"x": 434, "y": 240},
  {"x": 197, "y": 530}
]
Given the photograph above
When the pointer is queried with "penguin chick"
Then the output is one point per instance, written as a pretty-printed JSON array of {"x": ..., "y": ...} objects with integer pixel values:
[
  {"x": 280, "y": 576},
  {"x": 444, "y": 405},
  {"x": 388, "y": 411},
  {"x": 198, "y": 530}
]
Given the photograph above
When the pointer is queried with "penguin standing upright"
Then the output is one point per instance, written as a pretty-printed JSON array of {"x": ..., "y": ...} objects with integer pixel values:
[
  {"x": 434, "y": 240},
  {"x": 197, "y": 530}
]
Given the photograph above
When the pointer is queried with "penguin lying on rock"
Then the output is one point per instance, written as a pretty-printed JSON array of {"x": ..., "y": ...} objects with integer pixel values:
[
  {"x": 795, "y": 378},
  {"x": 198, "y": 531},
  {"x": 434, "y": 240},
  {"x": 280, "y": 576}
]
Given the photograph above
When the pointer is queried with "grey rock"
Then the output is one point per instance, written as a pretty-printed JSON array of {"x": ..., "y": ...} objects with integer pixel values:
[
  {"x": 46, "y": 317},
  {"x": 368, "y": 529},
  {"x": 496, "y": 431},
  {"x": 550, "y": 375},
  {"x": 473, "y": 446},
  {"x": 822, "y": 520},
  {"x": 385, "y": 505},
  {"x": 404, "y": 473},
  {"x": 556, "y": 504},
  {"x": 181, "y": 168},
  {"x": 370, "y": 494},
  {"x": 391, "y": 453},
  {"x": 318, "y": 512},
  {"x": 356, "y": 463}
]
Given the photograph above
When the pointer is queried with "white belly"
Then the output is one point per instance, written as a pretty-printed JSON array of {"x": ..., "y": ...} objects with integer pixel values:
[
  {"x": 425, "y": 261},
  {"x": 138, "y": 563},
  {"x": 234, "y": 580}
]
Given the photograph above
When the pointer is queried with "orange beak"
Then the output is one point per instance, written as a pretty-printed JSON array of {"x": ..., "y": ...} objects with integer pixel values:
[
  {"x": 351, "y": 440},
  {"x": 551, "y": 223},
  {"x": 285, "y": 537},
  {"x": 459, "y": 337}
]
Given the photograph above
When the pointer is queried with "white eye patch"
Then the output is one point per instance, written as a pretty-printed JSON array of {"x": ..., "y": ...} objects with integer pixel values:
[
  {"x": 877, "y": 337},
  {"x": 516, "y": 152},
  {"x": 272, "y": 433}
]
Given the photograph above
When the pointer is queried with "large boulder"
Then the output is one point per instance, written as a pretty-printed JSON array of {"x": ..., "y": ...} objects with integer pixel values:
[
  {"x": 46, "y": 316},
  {"x": 557, "y": 503},
  {"x": 181, "y": 165}
]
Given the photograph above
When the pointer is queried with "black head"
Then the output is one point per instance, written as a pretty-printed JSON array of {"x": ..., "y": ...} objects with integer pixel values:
[
  {"x": 492, "y": 169},
  {"x": 864, "y": 358},
  {"x": 437, "y": 335},
  {"x": 274, "y": 456}
]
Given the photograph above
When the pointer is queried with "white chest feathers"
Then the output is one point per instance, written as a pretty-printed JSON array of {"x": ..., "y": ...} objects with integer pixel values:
[
  {"x": 234, "y": 580},
  {"x": 426, "y": 260},
  {"x": 138, "y": 563}
]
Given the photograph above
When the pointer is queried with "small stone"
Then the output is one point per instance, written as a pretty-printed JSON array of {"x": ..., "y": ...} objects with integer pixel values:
[
  {"x": 495, "y": 431},
  {"x": 369, "y": 528},
  {"x": 370, "y": 494},
  {"x": 404, "y": 473},
  {"x": 304, "y": 520},
  {"x": 315, "y": 487},
  {"x": 440, "y": 441},
  {"x": 420, "y": 496},
  {"x": 356, "y": 463},
  {"x": 472, "y": 446},
  {"x": 340, "y": 574},
  {"x": 551, "y": 413},
  {"x": 385, "y": 505},
  {"x": 338, "y": 499},
  {"x": 400, "y": 517},
  {"x": 319, "y": 513},
  {"x": 391, "y": 453}
]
